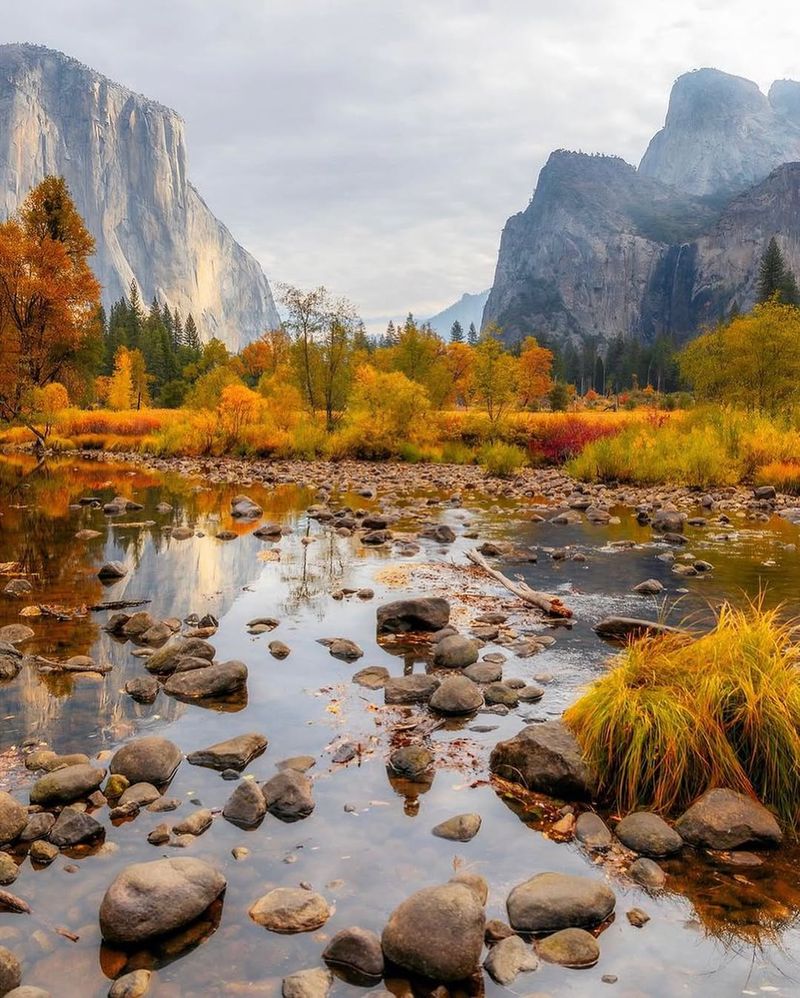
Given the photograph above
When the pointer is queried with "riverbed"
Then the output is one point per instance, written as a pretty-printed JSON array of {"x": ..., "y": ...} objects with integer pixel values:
[{"x": 368, "y": 843}]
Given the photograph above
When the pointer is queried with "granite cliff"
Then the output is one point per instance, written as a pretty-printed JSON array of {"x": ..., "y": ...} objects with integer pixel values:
[
  {"x": 604, "y": 248},
  {"x": 124, "y": 158}
]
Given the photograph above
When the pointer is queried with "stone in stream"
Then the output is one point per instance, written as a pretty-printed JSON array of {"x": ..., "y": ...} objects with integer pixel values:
[
  {"x": 668, "y": 520},
  {"x": 246, "y": 806},
  {"x": 437, "y": 933},
  {"x": 10, "y": 971},
  {"x": 218, "y": 679},
  {"x": 9, "y": 871},
  {"x": 157, "y": 635},
  {"x": 374, "y": 677},
  {"x": 475, "y": 882},
  {"x": 112, "y": 570},
  {"x": 268, "y": 531},
  {"x": 166, "y": 659},
  {"x": 648, "y": 834},
  {"x": 139, "y": 793},
  {"x": 417, "y": 614},
  {"x": 551, "y": 901},
  {"x": 288, "y": 795},
  {"x": 43, "y": 852},
  {"x": 315, "y": 982},
  {"x": 245, "y": 508},
  {"x": 461, "y": 828},
  {"x": 136, "y": 624},
  {"x": 147, "y": 760},
  {"x": 570, "y": 948},
  {"x": 290, "y": 909},
  {"x": 147, "y": 900},
  {"x": 510, "y": 957},
  {"x": 439, "y": 532},
  {"x": 530, "y": 693},
  {"x": 279, "y": 650},
  {"x": 637, "y": 917},
  {"x": 299, "y": 763},
  {"x": 197, "y": 823},
  {"x": 455, "y": 652},
  {"x": 136, "y": 984},
  {"x": 142, "y": 689},
  {"x": 545, "y": 758},
  {"x": 647, "y": 873},
  {"x": 419, "y": 687},
  {"x": 16, "y": 634},
  {"x": 73, "y": 827},
  {"x": 342, "y": 648},
  {"x": 621, "y": 629},
  {"x": 411, "y": 761},
  {"x": 650, "y": 587},
  {"x": 496, "y": 930},
  {"x": 484, "y": 672},
  {"x": 357, "y": 955},
  {"x": 593, "y": 832},
  {"x": 10, "y": 661},
  {"x": 501, "y": 693},
  {"x": 66, "y": 785},
  {"x": 234, "y": 753},
  {"x": 262, "y": 625},
  {"x": 457, "y": 695},
  {"x": 725, "y": 819},
  {"x": 13, "y": 818},
  {"x": 18, "y": 588}
]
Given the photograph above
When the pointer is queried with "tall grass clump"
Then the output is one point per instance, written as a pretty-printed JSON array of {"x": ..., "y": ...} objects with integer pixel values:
[
  {"x": 678, "y": 715},
  {"x": 501, "y": 459}
]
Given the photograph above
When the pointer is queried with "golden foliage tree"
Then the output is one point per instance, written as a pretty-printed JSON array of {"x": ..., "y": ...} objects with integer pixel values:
[
  {"x": 535, "y": 372},
  {"x": 752, "y": 362},
  {"x": 119, "y": 392},
  {"x": 496, "y": 375},
  {"x": 48, "y": 294}
]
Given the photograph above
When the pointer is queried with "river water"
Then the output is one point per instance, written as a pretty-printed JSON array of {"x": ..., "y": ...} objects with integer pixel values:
[{"x": 713, "y": 932}]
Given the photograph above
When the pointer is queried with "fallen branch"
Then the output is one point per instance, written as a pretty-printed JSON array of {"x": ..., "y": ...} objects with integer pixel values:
[
  {"x": 119, "y": 604},
  {"x": 547, "y": 603}
]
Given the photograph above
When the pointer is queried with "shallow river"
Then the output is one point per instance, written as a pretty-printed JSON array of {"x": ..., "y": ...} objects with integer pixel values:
[{"x": 713, "y": 932}]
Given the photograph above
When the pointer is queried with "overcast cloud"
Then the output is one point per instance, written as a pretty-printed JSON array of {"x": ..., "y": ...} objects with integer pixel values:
[{"x": 378, "y": 146}]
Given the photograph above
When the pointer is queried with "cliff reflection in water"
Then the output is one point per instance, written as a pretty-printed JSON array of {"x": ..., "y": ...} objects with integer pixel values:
[{"x": 201, "y": 574}]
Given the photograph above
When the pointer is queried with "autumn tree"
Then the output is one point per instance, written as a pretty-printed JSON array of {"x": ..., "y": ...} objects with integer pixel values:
[
  {"x": 239, "y": 406},
  {"x": 49, "y": 298},
  {"x": 535, "y": 372},
  {"x": 460, "y": 361},
  {"x": 496, "y": 375},
  {"x": 752, "y": 362},
  {"x": 44, "y": 404},
  {"x": 120, "y": 384}
]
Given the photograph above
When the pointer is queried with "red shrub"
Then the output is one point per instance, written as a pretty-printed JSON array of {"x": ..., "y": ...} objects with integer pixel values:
[{"x": 557, "y": 442}]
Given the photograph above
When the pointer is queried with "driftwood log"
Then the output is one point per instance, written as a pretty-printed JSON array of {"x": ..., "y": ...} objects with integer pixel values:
[
  {"x": 546, "y": 602},
  {"x": 119, "y": 604}
]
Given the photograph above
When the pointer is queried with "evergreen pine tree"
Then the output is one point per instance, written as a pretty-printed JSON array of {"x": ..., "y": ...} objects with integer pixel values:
[
  {"x": 456, "y": 332},
  {"x": 775, "y": 278},
  {"x": 472, "y": 335},
  {"x": 191, "y": 337},
  {"x": 391, "y": 334}
]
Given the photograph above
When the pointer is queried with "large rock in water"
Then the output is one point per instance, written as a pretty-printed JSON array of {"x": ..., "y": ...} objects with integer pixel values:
[
  {"x": 147, "y": 760},
  {"x": 148, "y": 900},
  {"x": 551, "y": 901},
  {"x": 357, "y": 954},
  {"x": 437, "y": 932},
  {"x": 430, "y": 613},
  {"x": 246, "y": 806},
  {"x": 546, "y": 758},
  {"x": 125, "y": 160},
  {"x": 13, "y": 818},
  {"x": 648, "y": 834},
  {"x": 725, "y": 819},
  {"x": 217, "y": 679},
  {"x": 63, "y": 786},
  {"x": 288, "y": 795},
  {"x": 234, "y": 753}
]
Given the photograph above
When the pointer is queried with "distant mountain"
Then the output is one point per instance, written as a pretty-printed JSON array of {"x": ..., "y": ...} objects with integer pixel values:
[
  {"x": 604, "y": 249},
  {"x": 468, "y": 308},
  {"x": 124, "y": 158}
]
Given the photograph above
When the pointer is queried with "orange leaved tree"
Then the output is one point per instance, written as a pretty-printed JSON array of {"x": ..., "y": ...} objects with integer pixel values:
[{"x": 49, "y": 297}]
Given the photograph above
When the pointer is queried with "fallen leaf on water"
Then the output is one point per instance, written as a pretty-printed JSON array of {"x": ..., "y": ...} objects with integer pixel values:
[
  {"x": 268, "y": 555},
  {"x": 30, "y": 611}
]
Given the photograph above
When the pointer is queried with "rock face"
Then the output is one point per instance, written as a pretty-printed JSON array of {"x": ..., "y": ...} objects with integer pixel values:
[
  {"x": 147, "y": 900},
  {"x": 724, "y": 819},
  {"x": 546, "y": 758},
  {"x": 603, "y": 249},
  {"x": 124, "y": 158},
  {"x": 722, "y": 134},
  {"x": 437, "y": 932}
]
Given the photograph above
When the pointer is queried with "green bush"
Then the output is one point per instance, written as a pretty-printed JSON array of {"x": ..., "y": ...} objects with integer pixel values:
[{"x": 501, "y": 460}]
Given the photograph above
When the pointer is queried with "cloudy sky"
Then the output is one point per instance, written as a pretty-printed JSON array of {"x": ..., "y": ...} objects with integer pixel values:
[{"x": 377, "y": 146}]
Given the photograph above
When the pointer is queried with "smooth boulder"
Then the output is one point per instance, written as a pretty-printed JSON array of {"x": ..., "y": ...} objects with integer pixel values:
[
  {"x": 551, "y": 901},
  {"x": 217, "y": 679},
  {"x": 648, "y": 834},
  {"x": 63, "y": 786},
  {"x": 147, "y": 760},
  {"x": 437, "y": 933},
  {"x": 13, "y": 818},
  {"x": 545, "y": 758},
  {"x": 290, "y": 909},
  {"x": 288, "y": 795},
  {"x": 234, "y": 753},
  {"x": 457, "y": 695},
  {"x": 246, "y": 806},
  {"x": 510, "y": 957},
  {"x": 147, "y": 900},
  {"x": 430, "y": 613},
  {"x": 725, "y": 819},
  {"x": 455, "y": 652},
  {"x": 357, "y": 954}
]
